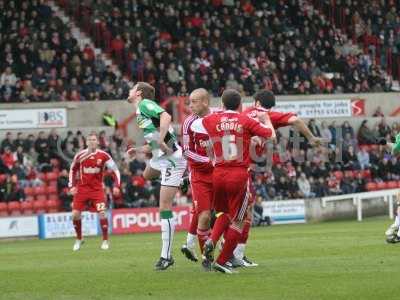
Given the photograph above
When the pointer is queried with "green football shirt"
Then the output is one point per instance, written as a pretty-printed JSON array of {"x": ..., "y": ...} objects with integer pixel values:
[{"x": 148, "y": 119}]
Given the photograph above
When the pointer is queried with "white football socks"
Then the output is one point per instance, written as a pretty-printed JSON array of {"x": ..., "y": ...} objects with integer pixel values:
[
  {"x": 167, "y": 236},
  {"x": 191, "y": 240},
  {"x": 239, "y": 251}
]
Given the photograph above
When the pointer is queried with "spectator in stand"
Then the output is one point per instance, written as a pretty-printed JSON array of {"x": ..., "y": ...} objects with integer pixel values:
[
  {"x": 8, "y": 158},
  {"x": 349, "y": 141},
  {"x": 19, "y": 141},
  {"x": 378, "y": 112},
  {"x": 347, "y": 130},
  {"x": 384, "y": 128},
  {"x": 62, "y": 187},
  {"x": 350, "y": 161},
  {"x": 363, "y": 158},
  {"x": 320, "y": 188},
  {"x": 282, "y": 188},
  {"x": 365, "y": 134},
  {"x": 334, "y": 185},
  {"x": 383, "y": 170},
  {"x": 7, "y": 142},
  {"x": 346, "y": 184},
  {"x": 10, "y": 190},
  {"x": 314, "y": 128},
  {"x": 326, "y": 133},
  {"x": 304, "y": 186},
  {"x": 359, "y": 184},
  {"x": 394, "y": 168}
]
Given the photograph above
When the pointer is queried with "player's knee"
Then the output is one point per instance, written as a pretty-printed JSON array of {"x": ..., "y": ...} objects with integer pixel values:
[
  {"x": 204, "y": 218},
  {"x": 76, "y": 215}
]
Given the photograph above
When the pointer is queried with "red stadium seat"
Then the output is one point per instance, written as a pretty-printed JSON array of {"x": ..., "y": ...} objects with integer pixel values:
[
  {"x": 39, "y": 190},
  {"x": 41, "y": 197},
  {"x": 366, "y": 173},
  {"x": 52, "y": 183},
  {"x": 3, "y": 209},
  {"x": 338, "y": 174},
  {"x": 29, "y": 191},
  {"x": 371, "y": 186},
  {"x": 398, "y": 184},
  {"x": 53, "y": 206},
  {"x": 52, "y": 189},
  {"x": 29, "y": 198},
  {"x": 51, "y": 176},
  {"x": 39, "y": 206},
  {"x": 381, "y": 185},
  {"x": 14, "y": 208},
  {"x": 27, "y": 207},
  {"x": 392, "y": 185},
  {"x": 53, "y": 197}
]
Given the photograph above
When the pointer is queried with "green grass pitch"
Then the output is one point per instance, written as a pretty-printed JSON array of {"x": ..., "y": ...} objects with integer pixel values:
[{"x": 337, "y": 260}]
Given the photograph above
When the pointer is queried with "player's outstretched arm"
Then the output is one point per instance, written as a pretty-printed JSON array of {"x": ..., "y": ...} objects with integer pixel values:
[{"x": 301, "y": 127}]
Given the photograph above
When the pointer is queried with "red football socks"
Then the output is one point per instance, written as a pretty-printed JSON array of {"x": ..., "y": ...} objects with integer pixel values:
[
  {"x": 202, "y": 235},
  {"x": 245, "y": 232},
  {"x": 78, "y": 228},
  {"x": 232, "y": 237},
  {"x": 220, "y": 225},
  {"x": 104, "y": 228}
]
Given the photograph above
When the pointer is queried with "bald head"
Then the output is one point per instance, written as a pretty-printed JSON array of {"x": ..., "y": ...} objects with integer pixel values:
[
  {"x": 199, "y": 102},
  {"x": 200, "y": 93}
]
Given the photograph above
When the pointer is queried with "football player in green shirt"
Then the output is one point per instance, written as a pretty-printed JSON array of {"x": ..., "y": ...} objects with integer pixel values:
[{"x": 167, "y": 159}]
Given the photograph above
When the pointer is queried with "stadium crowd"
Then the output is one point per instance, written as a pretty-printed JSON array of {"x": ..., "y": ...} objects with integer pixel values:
[
  {"x": 351, "y": 162},
  {"x": 374, "y": 25},
  {"x": 41, "y": 61},
  {"x": 179, "y": 45}
]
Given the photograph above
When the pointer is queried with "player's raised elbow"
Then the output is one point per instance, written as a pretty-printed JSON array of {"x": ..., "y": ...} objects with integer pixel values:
[
  {"x": 165, "y": 117},
  {"x": 272, "y": 134},
  {"x": 295, "y": 121}
]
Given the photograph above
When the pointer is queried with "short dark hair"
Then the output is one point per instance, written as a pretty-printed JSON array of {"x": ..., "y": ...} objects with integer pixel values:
[
  {"x": 231, "y": 99},
  {"x": 93, "y": 133},
  {"x": 148, "y": 91},
  {"x": 265, "y": 97}
]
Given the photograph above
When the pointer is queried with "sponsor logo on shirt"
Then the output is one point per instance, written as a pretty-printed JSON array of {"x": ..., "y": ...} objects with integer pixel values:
[{"x": 90, "y": 170}]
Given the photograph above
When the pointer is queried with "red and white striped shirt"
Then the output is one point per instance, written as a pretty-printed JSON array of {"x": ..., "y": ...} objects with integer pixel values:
[
  {"x": 87, "y": 169},
  {"x": 195, "y": 145}
]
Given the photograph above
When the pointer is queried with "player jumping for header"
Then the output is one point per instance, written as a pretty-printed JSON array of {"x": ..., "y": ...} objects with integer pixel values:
[{"x": 167, "y": 160}]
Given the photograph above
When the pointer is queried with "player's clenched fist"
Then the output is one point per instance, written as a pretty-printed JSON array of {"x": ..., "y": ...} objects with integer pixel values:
[{"x": 73, "y": 190}]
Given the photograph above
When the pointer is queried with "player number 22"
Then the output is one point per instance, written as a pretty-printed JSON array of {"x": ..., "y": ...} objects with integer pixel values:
[
  {"x": 229, "y": 147},
  {"x": 100, "y": 206}
]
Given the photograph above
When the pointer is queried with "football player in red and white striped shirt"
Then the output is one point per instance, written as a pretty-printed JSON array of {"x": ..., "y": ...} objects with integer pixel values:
[
  {"x": 201, "y": 170},
  {"x": 86, "y": 185}
]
